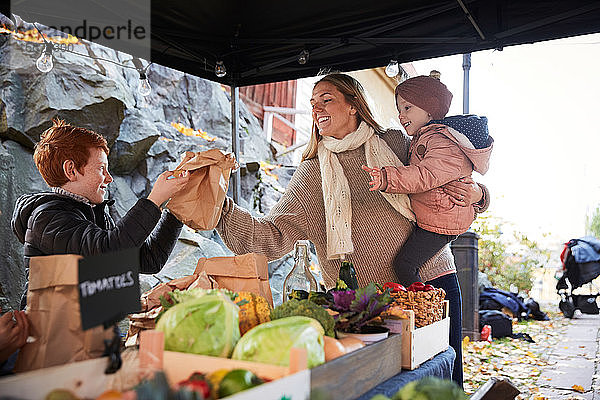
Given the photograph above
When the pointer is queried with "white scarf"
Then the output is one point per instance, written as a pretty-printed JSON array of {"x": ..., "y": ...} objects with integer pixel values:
[{"x": 336, "y": 192}]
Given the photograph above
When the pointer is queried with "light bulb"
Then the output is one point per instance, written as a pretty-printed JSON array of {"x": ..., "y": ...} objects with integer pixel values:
[
  {"x": 392, "y": 69},
  {"x": 303, "y": 57},
  {"x": 144, "y": 87},
  {"x": 44, "y": 62},
  {"x": 220, "y": 70}
]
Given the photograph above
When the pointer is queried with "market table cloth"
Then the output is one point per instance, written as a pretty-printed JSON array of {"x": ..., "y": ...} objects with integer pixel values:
[{"x": 439, "y": 366}]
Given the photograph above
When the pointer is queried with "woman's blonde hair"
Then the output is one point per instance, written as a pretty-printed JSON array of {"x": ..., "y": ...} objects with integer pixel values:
[{"x": 354, "y": 94}]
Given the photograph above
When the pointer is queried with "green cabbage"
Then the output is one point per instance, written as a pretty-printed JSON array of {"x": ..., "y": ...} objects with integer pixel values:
[
  {"x": 208, "y": 325},
  {"x": 271, "y": 342}
]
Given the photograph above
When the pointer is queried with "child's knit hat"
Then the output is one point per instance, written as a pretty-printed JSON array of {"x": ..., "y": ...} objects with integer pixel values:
[{"x": 427, "y": 93}]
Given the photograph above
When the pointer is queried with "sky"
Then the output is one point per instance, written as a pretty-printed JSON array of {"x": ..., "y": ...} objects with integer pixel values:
[{"x": 541, "y": 101}]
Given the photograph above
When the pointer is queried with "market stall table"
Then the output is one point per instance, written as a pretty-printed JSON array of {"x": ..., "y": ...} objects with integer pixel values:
[{"x": 439, "y": 366}]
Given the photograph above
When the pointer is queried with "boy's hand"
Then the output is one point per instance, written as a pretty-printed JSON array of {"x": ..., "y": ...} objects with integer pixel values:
[
  {"x": 376, "y": 179},
  {"x": 14, "y": 329},
  {"x": 166, "y": 185}
]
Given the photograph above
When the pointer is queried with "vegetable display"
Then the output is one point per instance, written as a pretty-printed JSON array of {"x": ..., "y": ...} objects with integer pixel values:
[
  {"x": 348, "y": 275},
  {"x": 308, "y": 309},
  {"x": 236, "y": 381},
  {"x": 177, "y": 296},
  {"x": 254, "y": 310},
  {"x": 208, "y": 325},
  {"x": 271, "y": 342},
  {"x": 357, "y": 308}
]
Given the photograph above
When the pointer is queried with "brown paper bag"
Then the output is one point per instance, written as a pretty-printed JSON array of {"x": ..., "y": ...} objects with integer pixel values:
[
  {"x": 151, "y": 307},
  {"x": 199, "y": 203},
  {"x": 247, "y": 272},
  {"x": 54, "y": 317}
]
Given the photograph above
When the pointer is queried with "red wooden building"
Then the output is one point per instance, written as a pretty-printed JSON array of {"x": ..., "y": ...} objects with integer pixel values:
[{"x": 277, "y": 94}]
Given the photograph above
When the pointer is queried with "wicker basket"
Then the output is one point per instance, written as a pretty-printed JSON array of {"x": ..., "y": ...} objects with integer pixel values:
[{"x": 428, "y": 306}]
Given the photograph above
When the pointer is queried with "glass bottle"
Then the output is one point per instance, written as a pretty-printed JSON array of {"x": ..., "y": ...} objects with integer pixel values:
[{"x": 300, "y": 277}]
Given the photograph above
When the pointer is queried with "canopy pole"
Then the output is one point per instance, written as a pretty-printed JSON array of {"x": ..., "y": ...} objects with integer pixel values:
[
  {"x": 466, "y": 67},
  {"x": 235, "y": 143}
]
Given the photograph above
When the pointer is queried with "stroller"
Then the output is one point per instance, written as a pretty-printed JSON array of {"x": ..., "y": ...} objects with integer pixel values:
[{"x": 581, "y": 264}]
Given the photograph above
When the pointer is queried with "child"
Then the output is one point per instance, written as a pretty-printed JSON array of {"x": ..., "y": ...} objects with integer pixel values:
[{"x": 441, "y": 150}]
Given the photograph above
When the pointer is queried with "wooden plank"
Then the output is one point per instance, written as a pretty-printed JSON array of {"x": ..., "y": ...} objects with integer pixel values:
[
  {"x": 85, "y": 379},
  {"x": 298, "y": 360},
  {"x": 179, "y": 366},
  {"x": 258, "y": 95},
  {"x": 422, "y": 344},
  {"x": 152, "y": 347},
  {"x": 353, "y": 374}
]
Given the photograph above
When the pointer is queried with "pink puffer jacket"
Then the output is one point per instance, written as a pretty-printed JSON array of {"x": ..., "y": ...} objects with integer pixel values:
[{"x": 438, "y": 155}]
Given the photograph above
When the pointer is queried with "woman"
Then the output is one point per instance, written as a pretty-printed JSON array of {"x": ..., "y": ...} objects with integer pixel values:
[{"x": 328, "y": 202}]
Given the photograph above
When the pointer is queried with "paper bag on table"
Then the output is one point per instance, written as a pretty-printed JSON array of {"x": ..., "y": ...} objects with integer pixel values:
[
  {"x": 199, "y": 203},
  {"x": 54, "y": 316},
  {"x": 247, "y": 272},
  {"x": 151, "y": 306}
]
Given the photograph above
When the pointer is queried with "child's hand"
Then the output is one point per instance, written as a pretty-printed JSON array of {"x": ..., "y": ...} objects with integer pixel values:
[
  {"x": 376, "y": 181},
  {"x": 167, "y": 184}
]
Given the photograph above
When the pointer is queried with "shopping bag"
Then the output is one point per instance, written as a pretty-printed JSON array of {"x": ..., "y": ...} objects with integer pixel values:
[
  {"x": 54, "y": 316},
  {"x": 151, "y": 305},
  {"x": 199, "y": 203},
  {"x": 247, "y": 272}
]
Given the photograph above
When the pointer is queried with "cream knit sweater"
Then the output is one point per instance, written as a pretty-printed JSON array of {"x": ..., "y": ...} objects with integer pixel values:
[{"x": 378, "y": 231}]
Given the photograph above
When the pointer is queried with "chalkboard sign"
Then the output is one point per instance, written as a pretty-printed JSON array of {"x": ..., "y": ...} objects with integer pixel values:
[{"x": 109, "y": 287}]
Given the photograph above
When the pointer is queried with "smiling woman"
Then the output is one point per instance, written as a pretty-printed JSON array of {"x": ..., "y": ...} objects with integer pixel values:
[
  {"x": 328, "y": 201},
  {"x": 333, "y": 115}
]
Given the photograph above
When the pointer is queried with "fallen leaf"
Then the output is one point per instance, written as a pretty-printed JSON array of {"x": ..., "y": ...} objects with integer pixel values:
[{"x": 578, "y": 388}]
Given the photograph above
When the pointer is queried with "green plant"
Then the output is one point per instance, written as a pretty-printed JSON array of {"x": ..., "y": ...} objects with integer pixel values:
[
  {"x": 507, "y": 259},
  {"x": 592, "y": 225}
]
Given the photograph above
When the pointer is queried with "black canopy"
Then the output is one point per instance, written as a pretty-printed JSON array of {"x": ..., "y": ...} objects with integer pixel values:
[{"x": 260, "y": 41}]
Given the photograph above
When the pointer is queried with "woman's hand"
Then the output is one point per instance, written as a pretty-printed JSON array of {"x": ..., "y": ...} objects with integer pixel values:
[
  {"x": 167, "y": 184},
  {"x": 14, "y": 329},
  {"x": 376, "y": 180},
  {"x": 463, "y": 192}
]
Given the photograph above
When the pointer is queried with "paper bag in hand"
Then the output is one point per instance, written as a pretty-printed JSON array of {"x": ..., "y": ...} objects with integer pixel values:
[
  {"x": 199, "y": 203},
  {"x": 247, "y": 272},
  {"x": 54, "y": 316}
]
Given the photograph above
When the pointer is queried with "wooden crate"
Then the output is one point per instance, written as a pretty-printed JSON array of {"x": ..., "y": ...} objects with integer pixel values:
[
  {"x": 355, "y": 373},
  {"x": 86, "y": 379},
  {"x": 348, "y": 376},
  {"x": 179, "y": 366},
  {"x": 422, "y": 344}
]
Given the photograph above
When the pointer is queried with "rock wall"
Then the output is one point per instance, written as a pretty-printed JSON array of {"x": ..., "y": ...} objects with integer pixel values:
[{"x": 103, "y": 97}]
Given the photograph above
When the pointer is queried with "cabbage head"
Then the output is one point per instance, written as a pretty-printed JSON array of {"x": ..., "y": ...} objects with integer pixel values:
[
  {"x": 271, "y": 342},
  {"x": 208, "y": 325}
]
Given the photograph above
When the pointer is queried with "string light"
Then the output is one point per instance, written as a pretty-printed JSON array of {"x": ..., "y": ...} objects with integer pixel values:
[
  {"x": 220, "y": 70},
  {"x": 44, "y": 62},
  {"x": 392, "y": 69},
  {"x": 144, "y": 87},
  {"x": 303, "y": 57}
]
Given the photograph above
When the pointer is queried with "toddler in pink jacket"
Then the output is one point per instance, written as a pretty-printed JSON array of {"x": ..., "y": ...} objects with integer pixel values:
[{"x": 441, "y": 150}]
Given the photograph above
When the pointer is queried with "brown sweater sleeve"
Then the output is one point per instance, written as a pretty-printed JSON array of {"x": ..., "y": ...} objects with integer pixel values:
[{"x": 273, "y": 235}]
